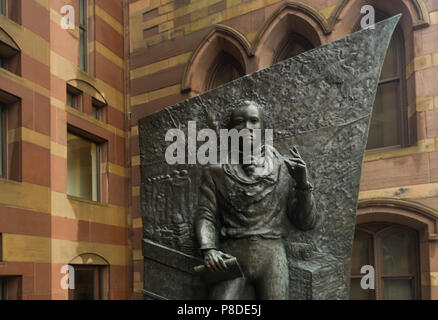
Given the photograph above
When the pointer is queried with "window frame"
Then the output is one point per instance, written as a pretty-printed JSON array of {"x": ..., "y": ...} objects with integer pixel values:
[
  {"x": 286, "y": 45},
  {"x": 76, "y": 96},
  {"x": 376, "y": 255},
  {"x": 99, "y": 157},
  {"x": 83, "y": 40},
  {"x": 401, "y": 104},
  {"x": 224, "y": 58},
  {"x": 11, "y": 282},
  {"x": 100, "y": 281},
  {"x": 3, "y": 289},
  {"x": 1, "y": 247},
  {"x": 3, "y": 142},
  {"x": 4, "y": 7},
  {"x": 100, "y": 107}
]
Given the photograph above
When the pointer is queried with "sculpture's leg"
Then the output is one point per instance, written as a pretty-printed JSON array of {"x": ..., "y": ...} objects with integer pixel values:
[
  {"x": 273, "y": 278},
  {"x": 228, "y": 290}
]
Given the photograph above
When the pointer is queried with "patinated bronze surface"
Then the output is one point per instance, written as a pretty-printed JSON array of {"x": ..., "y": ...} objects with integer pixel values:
[
  {"x": 320, "y": 101},
  {"x": 241, "y": 213}
]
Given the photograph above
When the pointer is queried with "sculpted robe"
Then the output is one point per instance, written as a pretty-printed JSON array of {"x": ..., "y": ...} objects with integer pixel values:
[{"x": 233, "y": 205}]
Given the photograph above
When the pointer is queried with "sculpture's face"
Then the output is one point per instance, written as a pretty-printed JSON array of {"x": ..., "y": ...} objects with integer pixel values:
[
  {"x": 250, "y": 117},
  {"x": 247, "y": 117}
]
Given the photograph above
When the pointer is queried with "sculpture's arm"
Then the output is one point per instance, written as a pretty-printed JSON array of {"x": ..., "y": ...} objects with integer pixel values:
[
  {"x": 301, "y": 204},
  {"x": 206, "y": 223},
  {"x": 301, "y": 208}
]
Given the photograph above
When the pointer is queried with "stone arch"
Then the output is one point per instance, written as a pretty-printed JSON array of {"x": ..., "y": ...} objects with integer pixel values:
[
  {"x": 416, "y": 8},
  {"x": 290, "y": 17},
  {"x": 89, "y": 89},
  {"x": 346, "y": 15},
  {"x": 220, "y": 39},
  {"x": 89, "y": 259},
  {"x": 403, "y": 212}
]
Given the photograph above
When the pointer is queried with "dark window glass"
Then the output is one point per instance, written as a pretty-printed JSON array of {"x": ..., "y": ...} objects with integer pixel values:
[
  {"x": 74, "y": 98},
  {"x": 84, "y": 286},
  {"x": 225, "y": 69},
  {"x": 71, "y": 100},
  {"x": 95, "y": 112},
  {"x": 293, "y": 45},
  {"x": 89, "y": 283},
  {"x": 3, "y": 7},
  {"x": 10, "y": 288},
  {"x": 2, "y": 144},
  {"x": 2, "y": 289},
  {"x": 83, "y": 35},
  {"x": 98, "y": 110}
]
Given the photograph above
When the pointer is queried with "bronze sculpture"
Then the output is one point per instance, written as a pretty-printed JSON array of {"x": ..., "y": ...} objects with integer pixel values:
[
  {"x": 242, "y": 214},
  {"x": 320, "y": 101}
]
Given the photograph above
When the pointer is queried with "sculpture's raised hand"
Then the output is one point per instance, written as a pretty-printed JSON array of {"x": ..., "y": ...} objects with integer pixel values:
[{"x": 297, "y": 168}]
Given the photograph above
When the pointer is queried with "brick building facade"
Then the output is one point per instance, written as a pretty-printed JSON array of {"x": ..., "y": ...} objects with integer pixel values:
[{"x": 71, "y": 99}]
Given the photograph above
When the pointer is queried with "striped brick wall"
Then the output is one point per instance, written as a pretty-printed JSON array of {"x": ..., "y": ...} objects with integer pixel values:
[
  {"x": 165, "y": 33},
  {"x": 44, "y": 229}
]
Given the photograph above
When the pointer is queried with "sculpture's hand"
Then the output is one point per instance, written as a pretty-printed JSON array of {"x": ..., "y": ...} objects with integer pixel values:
[
  {"x": 297, "y": 168},
  {"x": 214, "y": 260}
]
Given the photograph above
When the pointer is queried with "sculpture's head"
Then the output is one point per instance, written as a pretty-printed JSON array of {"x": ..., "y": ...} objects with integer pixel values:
[{"x": 248, "y": 115}]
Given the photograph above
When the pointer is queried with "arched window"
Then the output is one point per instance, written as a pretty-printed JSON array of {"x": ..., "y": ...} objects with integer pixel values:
[
  {"x": 225, "y": 69},
  {"x": 388, "y": 123},
  {"x": 393, "y": 251},
  {"x": 293, "y": 45}
]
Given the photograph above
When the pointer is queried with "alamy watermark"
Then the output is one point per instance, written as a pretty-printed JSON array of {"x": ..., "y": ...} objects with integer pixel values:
[
  {"x": 246, "y": 146},
  {"x": 368, "y": 21},
  {"x": 68, "y": 19},
  {"x": 367, "y": 282},
  {"x": 68, "y": 281}
]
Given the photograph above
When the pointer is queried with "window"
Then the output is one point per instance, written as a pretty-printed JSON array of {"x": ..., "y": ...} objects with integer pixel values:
[
  {"x": 74, "y": 97},
  {"x": 11, "y": 9},
  {"x": 10, "y": 111},
  {"x": 225, "y": 69},
  {"x": 294, "y": 45},
  {"x": 10, "y": 288},
  {"x": 90, "y": 283},
  {"x": 83, "y": 168},
  {"x": 83, "y": 35},
  {"x": 393, "y": 251},
  {"x": 2, "y": 289},
  {"x": 98, "y": 110},
  {"x": 3, "y": 7},
  {"x": 388, "y": 123},
  {"x": 3, "y": 143}
]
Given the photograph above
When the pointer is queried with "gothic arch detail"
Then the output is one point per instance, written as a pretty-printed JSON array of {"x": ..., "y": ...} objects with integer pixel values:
[
  {"x": 291, "y": 17},
  {"x": 416, "y": 9},
  {"x": 220, "y": 39},
  {"x": 399, "y": 211}
]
